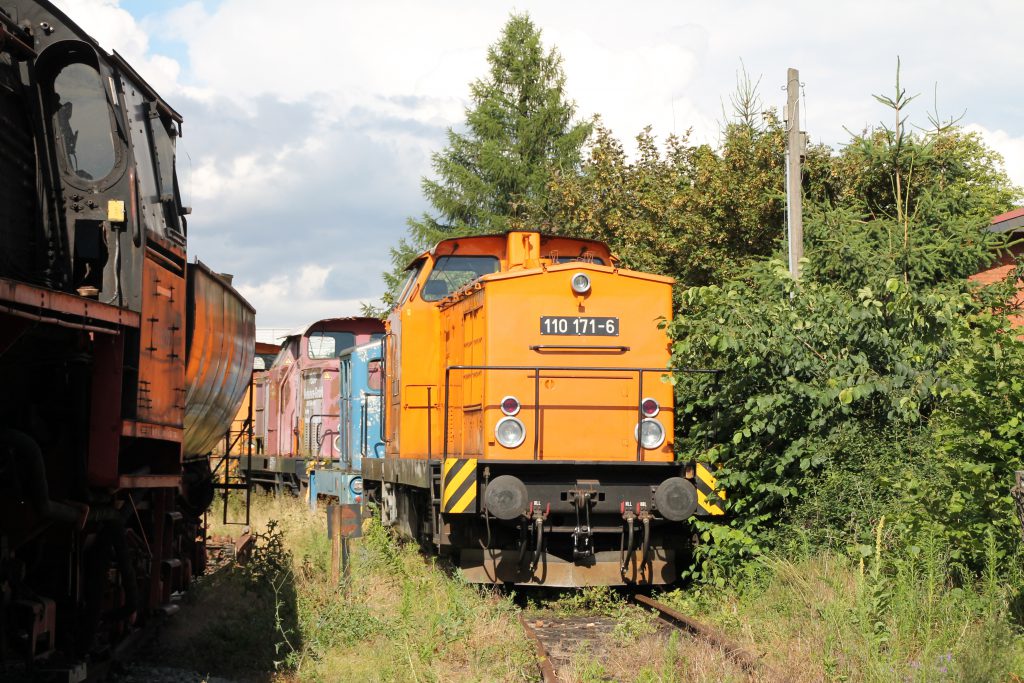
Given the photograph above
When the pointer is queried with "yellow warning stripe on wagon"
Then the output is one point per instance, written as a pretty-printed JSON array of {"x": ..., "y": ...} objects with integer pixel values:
[
  {"x": 458, "y": 493},
  {"x": 708, "y": 493}
]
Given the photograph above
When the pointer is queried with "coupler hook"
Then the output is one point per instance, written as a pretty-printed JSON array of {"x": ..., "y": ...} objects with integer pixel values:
[
  {"x": 645, "y": 519},
  {"x": 582, "y": 536}
]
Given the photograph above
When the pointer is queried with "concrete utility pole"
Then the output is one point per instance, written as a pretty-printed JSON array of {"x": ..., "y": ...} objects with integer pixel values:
[{"x": 794, "y": 155}]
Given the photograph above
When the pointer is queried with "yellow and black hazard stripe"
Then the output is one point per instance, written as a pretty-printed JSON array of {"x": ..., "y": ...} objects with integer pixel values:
[
  {"x": 708, "y": 493},
  {"x": 458, "y": 493}
]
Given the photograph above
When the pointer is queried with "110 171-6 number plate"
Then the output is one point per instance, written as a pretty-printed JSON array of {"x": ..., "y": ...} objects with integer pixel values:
[{"x": 579, "y": 326}]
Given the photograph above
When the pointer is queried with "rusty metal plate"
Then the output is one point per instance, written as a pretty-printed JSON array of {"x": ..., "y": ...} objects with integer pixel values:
[
  {"x": 221, "y": 344},
  {"x": 345, "y": 520}
]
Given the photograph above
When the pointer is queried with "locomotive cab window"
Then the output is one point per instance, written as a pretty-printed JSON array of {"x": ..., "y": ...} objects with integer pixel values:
[
  {"x": 452, "y": 272},
  {"x": 82, "y": 120},
  {"x": 414, "y": 272},
  {"x": 375, "y": 376},
  {"x": 163, "y": 132},
  {"x": 323, "y": 345}
]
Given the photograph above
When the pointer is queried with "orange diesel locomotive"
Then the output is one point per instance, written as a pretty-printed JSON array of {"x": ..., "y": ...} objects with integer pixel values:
[{"x": 529, "y": 428}]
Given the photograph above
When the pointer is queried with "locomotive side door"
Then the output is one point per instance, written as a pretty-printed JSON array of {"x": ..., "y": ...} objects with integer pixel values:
[{"x": 311, "y": 412}]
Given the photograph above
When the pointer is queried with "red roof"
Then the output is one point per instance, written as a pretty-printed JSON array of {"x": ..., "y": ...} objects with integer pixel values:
[{"x": 1011, "y": 221}]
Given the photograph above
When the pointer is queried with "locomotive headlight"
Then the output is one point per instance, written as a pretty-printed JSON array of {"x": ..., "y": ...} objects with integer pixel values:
[
  {"x": 581, "y": 283},
  {"x": 510, "y": 432},
  {"x": 650, "y": 434}
]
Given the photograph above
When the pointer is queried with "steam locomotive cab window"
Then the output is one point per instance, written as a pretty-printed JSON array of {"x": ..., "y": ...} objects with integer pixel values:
[
  {"x": 452, "y": 272},
  {"x": 323, "y": 345},
  {"x": 164, "y": 130},
  {"x": 83, "y": 122},
  {"x": 153, "y": 136}
]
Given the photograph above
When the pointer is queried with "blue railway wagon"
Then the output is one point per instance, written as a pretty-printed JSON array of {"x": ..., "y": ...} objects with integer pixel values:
[{"x": 361, "y": 372}]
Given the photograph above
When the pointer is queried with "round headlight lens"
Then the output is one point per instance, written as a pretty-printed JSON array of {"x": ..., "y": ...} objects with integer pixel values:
[
  {"x": 650, "y": 433},
  {"x": 509, "y": 432},
  {"x": 581, "y": 283},
  {"x": 510, "y": 405},
  {"x": 649, "y": 407}
]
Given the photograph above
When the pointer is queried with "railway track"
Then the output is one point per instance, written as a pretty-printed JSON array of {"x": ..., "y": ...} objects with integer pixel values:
[{"x": 562, "y": 642}]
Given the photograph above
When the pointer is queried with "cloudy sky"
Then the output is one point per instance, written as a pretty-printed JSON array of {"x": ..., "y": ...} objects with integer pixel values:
[{"x": 309, "y": 124}]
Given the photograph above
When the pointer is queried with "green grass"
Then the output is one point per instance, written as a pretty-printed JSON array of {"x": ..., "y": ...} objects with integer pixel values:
[
  {"x": 397, "y": 617},
  {"x": 893, "y": 615},
  {"x": 885, "y": 614}
]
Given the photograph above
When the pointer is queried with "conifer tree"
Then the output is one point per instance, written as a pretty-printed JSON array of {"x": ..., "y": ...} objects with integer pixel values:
[{"x": 519, "y": 126}]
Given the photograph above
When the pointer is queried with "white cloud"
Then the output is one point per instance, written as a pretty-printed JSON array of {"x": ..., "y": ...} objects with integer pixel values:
[
  {"x": 115, "y": 28},
  {"x": 290, "y": 301},
  {"x": 1011, "y": 148},
  {"x": 309, "y": 126}
]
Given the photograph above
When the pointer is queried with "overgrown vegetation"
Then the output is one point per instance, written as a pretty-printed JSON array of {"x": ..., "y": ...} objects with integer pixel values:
[
  {"x": 692, "y": 212},
  {"x": 891, "y": 615},
  {"x": 395, "y": 618},
  {"x": 883, "y": 371}
]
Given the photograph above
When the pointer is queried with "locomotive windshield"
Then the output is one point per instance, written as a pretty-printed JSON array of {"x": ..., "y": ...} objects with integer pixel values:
[
  {"x": 83, "y": 121},
  {"x": 452, "y": 272},
  {"x": 324, "y": 345}
]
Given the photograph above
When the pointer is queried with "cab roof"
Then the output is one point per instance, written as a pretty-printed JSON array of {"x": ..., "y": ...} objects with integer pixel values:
[{"x": 544, "y": 237}]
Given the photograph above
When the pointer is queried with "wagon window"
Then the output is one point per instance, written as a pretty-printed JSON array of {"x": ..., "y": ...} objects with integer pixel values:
[
  {"x": 452, "y": 272},
  {"x": 83, "y": 121}
]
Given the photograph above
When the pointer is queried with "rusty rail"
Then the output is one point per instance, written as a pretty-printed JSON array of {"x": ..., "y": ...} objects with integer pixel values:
[
  {"x": 750, "y": 662},
  {"x": 547, "y": 671}
]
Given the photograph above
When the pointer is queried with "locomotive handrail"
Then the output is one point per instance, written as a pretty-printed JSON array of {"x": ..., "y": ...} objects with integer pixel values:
[
  {"x": 309, "y": 429},
  {"x": 384, "y": 398},
  {"x": 537, "y": 369},
  {"x": 577, "y": 347}
]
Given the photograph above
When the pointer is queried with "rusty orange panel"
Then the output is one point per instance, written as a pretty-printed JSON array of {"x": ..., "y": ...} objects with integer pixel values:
[
  {"x": 161, "y": 392},
  {"x": 221, "y": 346}
]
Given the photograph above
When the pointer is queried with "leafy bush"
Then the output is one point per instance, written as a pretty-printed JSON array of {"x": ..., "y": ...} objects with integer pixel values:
[
  {"x": 836, "y": 408},
  {"x": 879, "y": 383}
]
